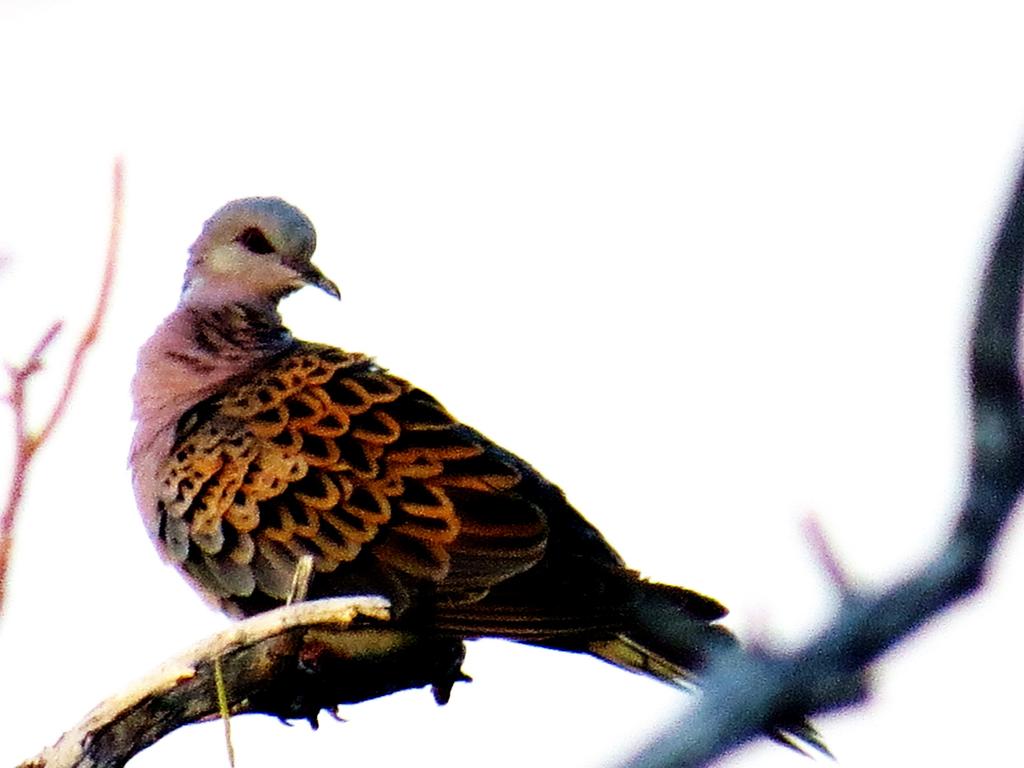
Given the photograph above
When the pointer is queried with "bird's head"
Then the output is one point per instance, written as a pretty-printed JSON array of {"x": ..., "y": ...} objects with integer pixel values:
[{"x": 256, "y": 249}]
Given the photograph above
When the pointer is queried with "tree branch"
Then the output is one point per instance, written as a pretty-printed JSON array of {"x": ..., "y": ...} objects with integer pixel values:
[
  {"x": 746, "y": 690},
  {"x": 291, "y": 662}
]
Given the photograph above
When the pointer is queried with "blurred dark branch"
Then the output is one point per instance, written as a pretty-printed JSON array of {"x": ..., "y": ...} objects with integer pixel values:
[
  {"x": 291, "y": 662},
  {"x": 26, "y": 441},
  {"x": 746, "y": 690}
]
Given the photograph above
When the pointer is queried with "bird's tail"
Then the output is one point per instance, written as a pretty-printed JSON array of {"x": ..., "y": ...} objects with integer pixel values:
[{"x": 672, "y": 636}]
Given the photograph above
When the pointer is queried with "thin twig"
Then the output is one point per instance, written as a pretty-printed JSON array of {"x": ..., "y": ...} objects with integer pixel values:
[
  {"x": 28, "y": 442},
  {"x": 92, "y": 330},
  {"x": 224, "y": 708},
  {"x": 826, "y": 555}
]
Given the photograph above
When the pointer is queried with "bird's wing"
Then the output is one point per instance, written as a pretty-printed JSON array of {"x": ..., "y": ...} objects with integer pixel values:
[{"x": 323, "y": 453}]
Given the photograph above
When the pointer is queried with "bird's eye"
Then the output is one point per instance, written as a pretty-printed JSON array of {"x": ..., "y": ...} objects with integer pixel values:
[{"x": 255, "y": 241}]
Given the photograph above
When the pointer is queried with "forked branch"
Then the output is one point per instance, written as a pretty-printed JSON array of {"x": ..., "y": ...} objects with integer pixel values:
[{"x": 26, "y": 441}]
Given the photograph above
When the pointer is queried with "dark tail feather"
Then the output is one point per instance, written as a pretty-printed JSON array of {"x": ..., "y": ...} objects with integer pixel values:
[{"x": 672, "y": 638}]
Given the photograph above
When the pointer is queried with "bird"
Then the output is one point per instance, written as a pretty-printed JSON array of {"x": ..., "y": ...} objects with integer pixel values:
[{"x": 255, "y": 451}]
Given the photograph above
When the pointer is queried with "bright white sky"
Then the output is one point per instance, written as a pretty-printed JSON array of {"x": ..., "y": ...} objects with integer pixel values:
[{"x": 708, "y": 266}]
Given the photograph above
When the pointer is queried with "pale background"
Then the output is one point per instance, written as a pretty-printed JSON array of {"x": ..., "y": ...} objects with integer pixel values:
[{"x": 708, "y": 266}]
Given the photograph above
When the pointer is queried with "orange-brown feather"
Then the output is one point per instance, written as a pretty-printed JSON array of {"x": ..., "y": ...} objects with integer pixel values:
[{"x": 324, "y": 453}]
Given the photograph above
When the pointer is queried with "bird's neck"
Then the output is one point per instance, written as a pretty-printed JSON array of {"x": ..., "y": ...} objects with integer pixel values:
[
  {"x": 232, "y": 331},
  {"x": 196, "y": 350}
]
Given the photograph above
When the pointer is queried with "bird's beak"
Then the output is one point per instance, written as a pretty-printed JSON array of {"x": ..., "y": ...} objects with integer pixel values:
[{"x": 314, "y": 276}]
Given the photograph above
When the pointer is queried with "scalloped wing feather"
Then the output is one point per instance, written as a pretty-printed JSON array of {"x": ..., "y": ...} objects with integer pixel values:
[{"x": 324, "y": 453}]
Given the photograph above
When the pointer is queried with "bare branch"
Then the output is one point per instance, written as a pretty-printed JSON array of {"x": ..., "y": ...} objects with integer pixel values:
[
  {"x": 291, "y": 662},
  {"x": 745, "y": 691},
  {"x": 28, "y": 442}
]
